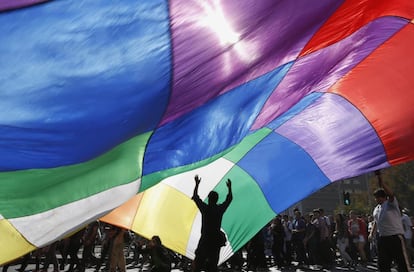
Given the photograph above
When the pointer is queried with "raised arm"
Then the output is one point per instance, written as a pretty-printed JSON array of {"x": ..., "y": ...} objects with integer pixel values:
[
  {"x": 197, "y": 180},
  {"x": 229, "y": 197},
  {"x": 230, "y": 193},
  {"x": 381, "y": 184}
]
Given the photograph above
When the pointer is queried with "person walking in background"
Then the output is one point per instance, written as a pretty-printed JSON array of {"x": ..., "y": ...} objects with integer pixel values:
[
  {"x": 212, "y": 238},
  {"x": 72, "y": 245},
  {"x": 408, "y": 233},
  {"x": 117, "y": 257},
  {"x": 323, "y": 243},
  {"x": 358, "y": 230},
  {"x": 287, "y": 225},
  {"x": 373, "y": 240},
  {"x": 311, "y": 241},
  {"x": 106, "y": 246},
  {"x": 160, "y": 257},
  {"x": 89, "y": 239},
  {"x": 298, "y": 236},
  {"x": 256, "y": 259},
  {"x": 342, "y": 238},
  {"x": 50, "y": 257},
  {"x": 278, "y": 233},
  {"x": 391, "y": 242}
]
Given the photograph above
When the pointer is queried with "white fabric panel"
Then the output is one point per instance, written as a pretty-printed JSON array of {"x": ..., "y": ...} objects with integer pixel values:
[
  {"x": 210, "y": 175},
  {"x": 52, "y": 225}
]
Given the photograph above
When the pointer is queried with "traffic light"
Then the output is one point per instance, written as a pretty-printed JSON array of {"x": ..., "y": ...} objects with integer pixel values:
[{"x": 347, "y": 199}]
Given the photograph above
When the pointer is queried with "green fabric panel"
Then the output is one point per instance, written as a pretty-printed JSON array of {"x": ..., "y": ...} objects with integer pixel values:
[
  {"x": 244, "y": 146},
  {"x": 248, "y": 212},
  {"x": 28, "y": 192}
]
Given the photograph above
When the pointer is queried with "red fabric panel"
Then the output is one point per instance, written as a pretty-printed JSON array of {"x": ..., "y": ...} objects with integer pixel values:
[
  {"x": 352, "y": 15},
  {"x": 382, "y": 88}
]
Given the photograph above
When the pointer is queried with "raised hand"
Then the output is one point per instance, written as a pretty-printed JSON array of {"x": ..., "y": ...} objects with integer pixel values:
[
  {"x": 228, "y": 183},
  {"x": 197, "y": 179}
]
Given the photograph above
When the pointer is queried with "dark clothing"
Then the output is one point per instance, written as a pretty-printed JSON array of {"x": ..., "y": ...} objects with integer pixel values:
[
  {"x": 312, "y": 240},
  {"x": 299, "y": 229},
  {"x": 278, "y": 243},
  {"x": 73, "y": 247},
  {"x": 211, "y": 215},
  {"x": 298, "y": 236},
  {"x": 391, "y": 248},
  {"x": 160, "y": 258},
  {"x": 212, "y": 239},
  {"x": 50, "y": 257},
  {"x": 256, "y": 258},
  {"x": 89, "y": 237}
]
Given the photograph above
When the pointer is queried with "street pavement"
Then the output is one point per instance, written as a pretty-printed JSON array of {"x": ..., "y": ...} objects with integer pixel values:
[
  {"x": 369, "y": 267},
  {"x": 131, "y": 267},
  {"x": 31, "y": 268}
]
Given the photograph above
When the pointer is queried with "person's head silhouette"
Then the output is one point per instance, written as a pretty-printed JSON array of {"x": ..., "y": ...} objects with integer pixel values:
[
  {"x": 156, "y": 241},
  {"x": 212, "y": 198}
]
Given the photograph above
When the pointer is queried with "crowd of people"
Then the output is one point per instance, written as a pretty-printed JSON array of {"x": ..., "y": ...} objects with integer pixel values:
[
  {"x": 102, "y": 247},
  {"x": 345, "y": 239},
  {"x": 310, "y": 239},
  {"x": 300, "y": 240},
  {"x": 318, "y": 240}
]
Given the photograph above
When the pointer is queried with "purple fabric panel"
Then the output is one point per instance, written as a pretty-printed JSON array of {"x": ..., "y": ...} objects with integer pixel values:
[
  {"x": 320, "y": 70},
  {"x": 14, "y": 4},
  {"x": 270, "y": 33},
  {"x": 337, "y": 136}
]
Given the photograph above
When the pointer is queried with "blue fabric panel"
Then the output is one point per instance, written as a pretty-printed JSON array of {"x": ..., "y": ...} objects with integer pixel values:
[
  {"x": 294, "y": 110},
  {"x": 211, "y": 128},
  {"x": 80, "y": 77},
  {"x": 295, "y": 177}
]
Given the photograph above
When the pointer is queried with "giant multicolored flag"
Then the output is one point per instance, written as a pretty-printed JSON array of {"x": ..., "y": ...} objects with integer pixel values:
[{"x": 104, "y": 103}]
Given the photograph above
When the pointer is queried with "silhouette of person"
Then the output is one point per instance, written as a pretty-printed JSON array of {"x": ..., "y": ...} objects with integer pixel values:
[
  {"x": 89, "y": 238},
  {"x": 388, "y": 223},
  {"x": 50, "y": 258},
  {"x": 212, "y": 238},
  {"x": 160, "y": 256},
  {"x": 117, "y": 255}
]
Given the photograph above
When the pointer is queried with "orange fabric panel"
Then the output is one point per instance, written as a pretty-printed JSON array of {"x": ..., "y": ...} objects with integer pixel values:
[
  {"x": 382, "y": 88},
  {"x": 354, "y": 14},
  {"x": 124, "y": 215}
]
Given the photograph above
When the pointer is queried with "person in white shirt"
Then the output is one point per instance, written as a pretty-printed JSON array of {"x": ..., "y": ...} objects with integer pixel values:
[
  {"x": 408, "y": 234},
  {"x": 391, "y": 242}
]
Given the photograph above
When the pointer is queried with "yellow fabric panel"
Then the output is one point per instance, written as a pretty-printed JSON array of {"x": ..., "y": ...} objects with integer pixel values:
[
  {"x": 173, "y": 209},
  {"x": 13, "y": 243}
]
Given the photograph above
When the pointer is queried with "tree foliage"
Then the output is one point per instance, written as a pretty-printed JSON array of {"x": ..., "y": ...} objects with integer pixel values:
[{"x": 400, "y": 179}]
